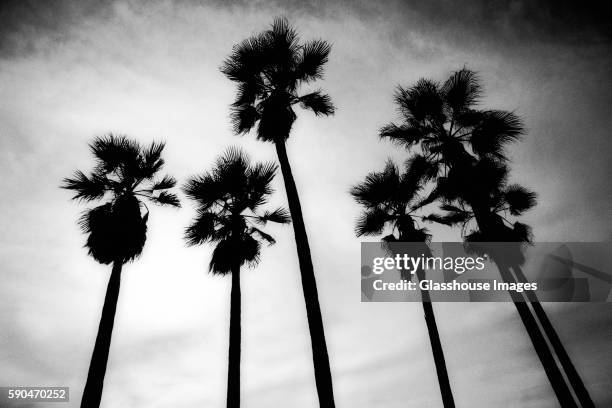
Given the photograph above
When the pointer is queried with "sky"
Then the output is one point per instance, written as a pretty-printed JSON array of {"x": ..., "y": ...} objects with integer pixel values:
[{"x": 70, "y": 71}]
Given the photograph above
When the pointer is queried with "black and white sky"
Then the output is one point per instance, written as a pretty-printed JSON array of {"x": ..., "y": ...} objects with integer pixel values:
[{"x": 71, "y": 70}]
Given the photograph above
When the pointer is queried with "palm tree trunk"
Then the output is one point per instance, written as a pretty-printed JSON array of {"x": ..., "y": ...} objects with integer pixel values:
[
  {"x": 562, "y": 391},
  {"x": 320, "y": 357},
  {"x": 432, "y": 329},
  {"x": 436, "y": 347},
  {"x": 566, "y": 362},
  {"x": 233, "y": 366},
  {"x": 555, "y": 377},
  {"x": 92, "y": 394}
]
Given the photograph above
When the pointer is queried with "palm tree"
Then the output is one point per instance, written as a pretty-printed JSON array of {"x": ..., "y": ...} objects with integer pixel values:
[
  {"x": 459, "y": 142},
  {"x": 515, "y": 200},
  {"x": 124, "y": 175},
  {"x": 228, "y": 214},
  {"x": 390, "y": 199},
  {"x": 269, "y": 69}
]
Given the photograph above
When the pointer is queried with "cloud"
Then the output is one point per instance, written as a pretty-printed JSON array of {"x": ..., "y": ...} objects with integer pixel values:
[
  {"x": 73, "y": 70},
  {"x": 22, "y": 22}
]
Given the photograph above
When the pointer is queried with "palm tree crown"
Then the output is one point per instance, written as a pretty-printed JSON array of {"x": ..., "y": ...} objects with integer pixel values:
[
  {"x": 443, "y": 120},
  {"x": 125, "y": 173},
  {"x": 390, "y": 198},
  {"x": 270, "y": 68},
  {"x": 463, "y": 148},
  {"x": 229, "y": 199},
  {"x": 501, "y": 200}
]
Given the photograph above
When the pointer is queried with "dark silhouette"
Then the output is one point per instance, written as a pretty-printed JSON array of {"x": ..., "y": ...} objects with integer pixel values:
[
  {"x": 465, "y": 146},
  {"x": 566, "y": 362},
  {"x": 515, "y": 200},
  {"x": 228, "y": 202},
  {"x": 269, "y": 69},
  {"x": 390, "y": 199},
  {"x": 125, "y": 173}
]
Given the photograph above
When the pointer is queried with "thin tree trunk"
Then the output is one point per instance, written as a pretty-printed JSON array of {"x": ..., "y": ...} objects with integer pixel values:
[
  {"x": 92, "y": 394},
  {"x": 555, "y": 377},
  {"x": 320, "y": 357},
  {"x": 233, "y": 366},
  {"x": 562, "y": 391},
  {"x": 566, "y": 362},
  {"x": 436, "y": 347},
  {"x": 432, "y": 327}
]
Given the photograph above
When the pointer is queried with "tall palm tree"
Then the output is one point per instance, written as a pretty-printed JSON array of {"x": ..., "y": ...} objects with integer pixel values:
[
  {"x": 269, "y": 69},
  {"x": 124, "y": 175},
  {"x": 390, "y": 199},
  {"x": 459, "y": 142},
  {"x": 228, "y": 201},
  {"x": 514, "y": 200}
]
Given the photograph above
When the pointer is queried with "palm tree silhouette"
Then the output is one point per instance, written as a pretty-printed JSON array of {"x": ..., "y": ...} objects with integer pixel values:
[
  {"x": 515, "y": 200},
  {"x": 125, "y": 173},
  {"x": 269, "y": 69},
  {"x": 228, "y": 202},
  {"x": 461, "y": 144},
  {"x": 390, "y": 199}
]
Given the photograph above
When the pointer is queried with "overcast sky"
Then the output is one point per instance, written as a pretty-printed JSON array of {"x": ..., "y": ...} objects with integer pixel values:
[{"x": 71, "y": 71}]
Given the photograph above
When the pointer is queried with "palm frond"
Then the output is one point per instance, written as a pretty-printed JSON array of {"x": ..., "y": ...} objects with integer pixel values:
[
  {"x": 247, "y": 60},
  {"x": 310, "y": 63},
  {"x": 243, "y": 117},
  {"x": 317, "y": 102},
  {"x": 371, "y": 222},
  {"x": 231, "y": 171},
  {"x": 112, "y": 151},
  {"x": 249, "y": 91},
  {"x": 462, "y": 90},
  {"x": 204, "y": 189},
  {"x": 202, "y": 229},
  {"x": 152, "y": 161},
  {"x": 495, "y": 130},
  {"x": 279, "y": 215},
  {"x": 418, "y": 167},
  {"x": 166, "y": 198},
  {"x": 261, "y": 175},
  {"x": 165, "y": 183},
  {"x": 403, "y": 135},
  {"x": 262, "y": 235},
  {"x": 282, "y": 45},
  {"x": 424, "y": 100},
  {"x": 378, "y": 188},
  {"x": 450, "y": 218},
  {"x": 87, "y": 188},
  {"x": 519, "y": 199}
]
